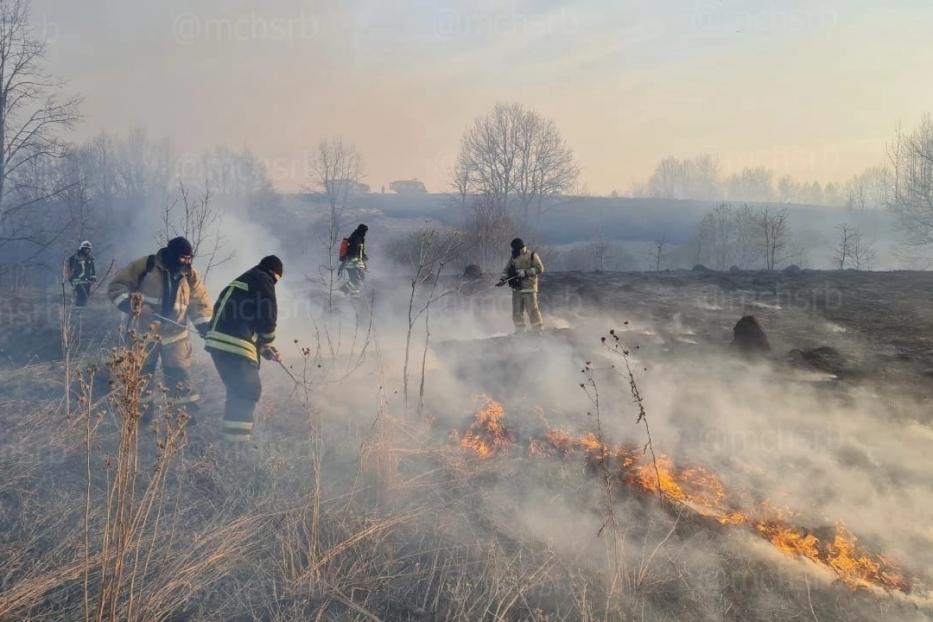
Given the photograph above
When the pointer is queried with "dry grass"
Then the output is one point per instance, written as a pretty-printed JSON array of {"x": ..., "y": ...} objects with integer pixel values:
[{"x": 391, "y": 521}]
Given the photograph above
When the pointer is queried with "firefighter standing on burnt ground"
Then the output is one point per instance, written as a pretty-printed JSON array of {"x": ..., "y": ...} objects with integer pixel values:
[
  {"x": 80, "y": 272},
  {"x": 166, "y": 290},
  {"x": 521, "y": 274},
  {"x": 353, "y": 261},
  {"x": 241, "y": 332}
]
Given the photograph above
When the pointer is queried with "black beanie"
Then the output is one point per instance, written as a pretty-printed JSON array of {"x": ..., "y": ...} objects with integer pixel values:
[
  {"x": 271, "y": 263},
  {"x": 518, "y": 244},
  {"x": 180, "y": 247},
  {"x": 177, "y": 247}
]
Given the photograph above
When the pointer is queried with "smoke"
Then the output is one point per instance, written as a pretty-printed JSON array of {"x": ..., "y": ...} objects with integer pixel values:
[{"x": 826, "y": 451}]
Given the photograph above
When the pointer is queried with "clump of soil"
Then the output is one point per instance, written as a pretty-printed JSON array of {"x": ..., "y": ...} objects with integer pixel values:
[{"x": 748, "y": 337}]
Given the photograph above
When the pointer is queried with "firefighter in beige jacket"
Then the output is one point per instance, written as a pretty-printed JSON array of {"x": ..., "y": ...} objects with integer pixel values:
[
  {"x": 521, "y": 274},
  {"x": 169, "y": 287}
]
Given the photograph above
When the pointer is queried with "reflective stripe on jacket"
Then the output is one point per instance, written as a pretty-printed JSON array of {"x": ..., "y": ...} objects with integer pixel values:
[
  {"x": 81, "y": 267},
  {"x": 244, "y": 316},
  {"x": 178, "y": 297}
]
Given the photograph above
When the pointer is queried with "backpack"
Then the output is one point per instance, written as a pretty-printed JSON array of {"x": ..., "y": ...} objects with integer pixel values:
[
  {"x": 344, "y": 249},
  {"x": 150, "y": 266}
]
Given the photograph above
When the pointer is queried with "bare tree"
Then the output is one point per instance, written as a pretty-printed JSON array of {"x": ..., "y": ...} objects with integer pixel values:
[
  {"x": 433, "y": 252},
  {"x": 659, "y": 246},
  {"x": 846, "y": 244},
  {"x": 667, "y": 180},
  {"x": 144, "y": 170},
  {"x": 336, "y": 171},
  {"x": 853, "y": 249},
  {"x": 598, "y": 255},
  {"x": 516, "y": 157},
  {"x": 728, "y": 236},
  {"x": 867, "y": 190},
  {"x": 911, "y": 191},
  {"x": 410, "y": 252},
  {"x": 487, "y": 232},
  {"x": 863, "y": 253},
  {"x": 697, "y": 178},
  {"x": 460, "y": 183},
  {"x": 33, "y": 112},
  {"x": 773, "y": 235},
  {"x": 751, "y": 184},
  {"x": 199, "y": 221}
]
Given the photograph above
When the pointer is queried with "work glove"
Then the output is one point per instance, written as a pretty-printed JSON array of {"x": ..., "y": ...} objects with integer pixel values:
[
  {"x": 521, "y": 273},
  {"x": 202, "y": 329},
  {"x": 270, "y": 353}
]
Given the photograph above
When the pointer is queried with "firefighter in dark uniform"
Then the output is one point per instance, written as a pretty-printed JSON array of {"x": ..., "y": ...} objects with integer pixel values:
[
  {"x": 81, "y": 273},
  {"x": 354, "y": 262},
  {"x": 241, "y": 332}
]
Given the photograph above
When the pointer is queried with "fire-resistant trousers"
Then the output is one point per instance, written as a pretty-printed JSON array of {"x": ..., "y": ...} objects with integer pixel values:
[
  {"x": 82, "y": 292},
  {"x": 175, "y": 354},
  {"x": 241, "y": 379},
  {"x": 526, "y": 302}
]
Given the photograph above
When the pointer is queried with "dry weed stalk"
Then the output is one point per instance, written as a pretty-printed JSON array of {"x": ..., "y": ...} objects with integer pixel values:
[
  {"x": 126, "y": 541},
  {"x": 618, "y": 348}
]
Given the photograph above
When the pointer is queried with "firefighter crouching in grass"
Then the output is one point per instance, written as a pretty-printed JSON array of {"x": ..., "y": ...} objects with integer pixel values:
[
  {"x": 242, "y": 330},
  {"x": 521, "y": 274},
  {"x": 166, "y": 285}
]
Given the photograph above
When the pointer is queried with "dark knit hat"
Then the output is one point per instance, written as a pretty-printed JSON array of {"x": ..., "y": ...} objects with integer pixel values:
[
  {"x": 271, "y": 263},
  {"x": 518, "y": 244},
  {"x": 176, "y": 248},
  {"x": 179, "y": 247}
]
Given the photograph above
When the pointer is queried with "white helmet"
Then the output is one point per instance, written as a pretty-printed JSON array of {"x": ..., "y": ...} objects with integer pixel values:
[{"x": 85, "y": 244}]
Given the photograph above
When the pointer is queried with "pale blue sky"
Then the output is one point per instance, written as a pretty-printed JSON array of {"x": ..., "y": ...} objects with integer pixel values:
[{"x": 814, "y": 89}]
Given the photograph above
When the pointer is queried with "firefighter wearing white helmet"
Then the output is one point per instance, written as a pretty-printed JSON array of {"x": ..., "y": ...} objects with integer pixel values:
[{"x": 80, "y": 272}]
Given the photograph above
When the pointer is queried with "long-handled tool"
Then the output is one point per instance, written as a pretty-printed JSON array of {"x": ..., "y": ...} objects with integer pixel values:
[
  {"x": 502, "y": 282},
  {"x": 276, "y": 359},
  {"x": 179, "y": 325}
]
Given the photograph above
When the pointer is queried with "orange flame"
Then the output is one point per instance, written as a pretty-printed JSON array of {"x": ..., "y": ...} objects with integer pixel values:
[
  {"x": 703, "y": 493},
  {"x": 486, "y": 434}
]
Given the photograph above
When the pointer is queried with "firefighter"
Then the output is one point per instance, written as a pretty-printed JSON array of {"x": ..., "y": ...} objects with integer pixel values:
[
  {"x": 241, "y": 332},
  {"x": 521, "y": 274},
  {"x": 165, "y": 290},
  {"x": 81, "y": 273},
  {"x": 353, "y": 261}
]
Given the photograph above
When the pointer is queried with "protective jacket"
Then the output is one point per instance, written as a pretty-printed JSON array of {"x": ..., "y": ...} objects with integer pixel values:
[
  {"x": 531, "y": 263},
  {"x": 245, "y": 316},
  {"x": 177, "y": 296},
  {"x": 356, "y": 250},
  {"x": 81, "y": 269}
]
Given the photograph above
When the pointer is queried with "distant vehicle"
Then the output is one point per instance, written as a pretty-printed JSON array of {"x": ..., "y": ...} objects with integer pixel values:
[{"x": 408, "y": 186}]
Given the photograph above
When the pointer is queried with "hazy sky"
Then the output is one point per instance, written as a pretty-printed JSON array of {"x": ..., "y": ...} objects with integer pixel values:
[{"x": 814, "y": 89}]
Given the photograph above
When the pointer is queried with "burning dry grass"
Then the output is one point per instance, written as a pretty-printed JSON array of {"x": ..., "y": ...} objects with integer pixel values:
[
  {"x": 703, "y": 493},
  {"x": 384, "y": 523}
]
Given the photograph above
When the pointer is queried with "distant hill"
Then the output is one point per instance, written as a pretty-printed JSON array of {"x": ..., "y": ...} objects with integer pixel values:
[{"x": 570, "y": 220}]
